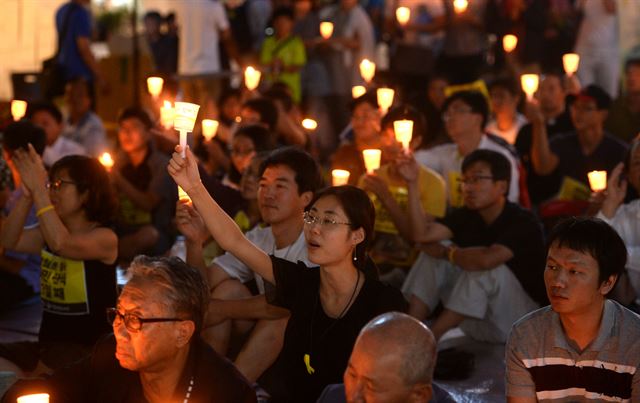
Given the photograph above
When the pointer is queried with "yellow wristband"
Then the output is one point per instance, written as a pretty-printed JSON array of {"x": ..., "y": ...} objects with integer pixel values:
[
  {"x": 450, "y": 252},
  {"x": 44, "y": 210}
]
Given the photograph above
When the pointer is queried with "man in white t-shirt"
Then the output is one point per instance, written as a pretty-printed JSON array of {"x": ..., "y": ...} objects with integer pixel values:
[
  {"x": 465, "y": 115},
  {"x": 203, "y": 25},
  {"x": 49, "y": 118},
  {"x": 288, "y": 180}
]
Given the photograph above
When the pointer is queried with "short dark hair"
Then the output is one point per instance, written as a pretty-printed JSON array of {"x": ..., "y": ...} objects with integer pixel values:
[
  {"x": 593, "y": 236},
  {"x": 91, "y": 177},
  {"x": 259, "y": 135},
  {"x": 280, "y": 92},
  {"x": 410, "y": 113},
  {"x": 361, "y": 214},
  {"x": 306, "y": 169},
  {"x": 134, "y": 112},
  {"x": 283, "y": 11},
  {"x": 498, "y": 164},
  {"x": 18, "y": 135},
  {"x": 267, "y": 110},
  {"x": 153, "y": 15},
  {"x": 184, "y": 287},
  {"x": 366, "y": 98},
  {"x": 47, "y": 107},
  {"x": 508, "y": 83},
  {"x": 474, "y": 99}
]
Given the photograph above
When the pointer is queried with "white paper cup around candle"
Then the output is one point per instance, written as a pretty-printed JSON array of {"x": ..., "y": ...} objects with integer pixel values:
[
  {"x": 357, "y": 91},
  {"x": 252, "y": 78},
  {"x": 371, "y": 159},
  {"x": 182, "y": 195},
  {"x": 309, "y": 124},
  {"x": 529, "y": 84},
  {"x": 209, "y": 128},
  {"x": 404, "y": 132},
  {"x": 460, "y": 6},
  {"x": 339, "y": 177},
  {"x": 166, "y": 115},
  {"x": 18, "y": 109},
  {"x": 106, "y": 161},
  {"x": 367, "y": 70},
  {"x": 154, "y": 85},
  {"x": 185, "y": 116},
  {"x": 403, "y": 15},
  {"x": 597, "y": 180},
  {"x": 509, "y": 42},
  {"x": 35, "y": 398},
  {"x": 326, "y": 29},
  {"x": 385, "y": 98},
  {"x": 571, "y": 61}
]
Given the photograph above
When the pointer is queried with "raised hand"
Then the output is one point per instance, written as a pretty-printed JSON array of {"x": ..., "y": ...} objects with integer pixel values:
[
  {"x": 31, "y": 168},
  {"x": 184, "y": 171},
  {"x": 615, "y": 193},
  {"x": 408, "y": 168}
]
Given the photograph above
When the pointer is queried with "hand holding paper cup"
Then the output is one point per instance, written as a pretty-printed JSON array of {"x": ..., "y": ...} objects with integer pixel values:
[
  {"x": 339, "y": 177},
  {"x": 18, "y": 109},
  {"x": 154, "y": 85},
  {"x": 529, "y": 84},
  {"x": 597, "y": 180},
  {"x": 184, "y": 121},
  {"x": 371, "y": 159},
  {"x": 570, "y": 61},
  {"x": 367, "y": 70},
  {"x": 404, "y": 132},
  {"x": 209, "y": 128},
  {"x": 385, "y": 98}
]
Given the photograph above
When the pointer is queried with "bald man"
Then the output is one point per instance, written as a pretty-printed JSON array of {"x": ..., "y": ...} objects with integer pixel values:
[{"x": 392, "y": 362}]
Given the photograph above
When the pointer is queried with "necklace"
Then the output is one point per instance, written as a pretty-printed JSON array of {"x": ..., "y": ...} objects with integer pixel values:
[
  {"x": 189, "y": 389},
  {"x": 307, "y": 357}
]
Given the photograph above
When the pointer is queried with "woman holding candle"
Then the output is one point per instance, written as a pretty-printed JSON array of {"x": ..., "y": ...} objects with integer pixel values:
[
  {"x": 328, "y": 305},
  {"x": 78, "y": 280}
]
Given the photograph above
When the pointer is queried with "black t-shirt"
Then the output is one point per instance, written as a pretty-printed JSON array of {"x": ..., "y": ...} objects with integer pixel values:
[
  {"x": 310, "y": 331},
  {"x": 574, "y": 164},
  {"x": 517, "y": 229},
  {"x": 75, "y": 296},
  {"x": 541, "y": 187}
]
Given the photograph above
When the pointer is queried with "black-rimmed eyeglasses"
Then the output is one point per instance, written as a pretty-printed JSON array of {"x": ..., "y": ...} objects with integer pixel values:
[{"x": 132, "y": 322}]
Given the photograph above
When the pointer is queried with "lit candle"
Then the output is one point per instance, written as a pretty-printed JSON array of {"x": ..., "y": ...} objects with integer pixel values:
[
  {"x": 182, "y": 195},
  {"x": 571, "y": 61},
  {"x": 252, "y": 78},
  {"x": 403, "y": 14},
  {"x": 184, "y": 120},
  {"x": 326, "y": 29},
  {"x": 385, "y": 98},
  {"x": 404, "y": 132},
  {"x": 209, "y": 128},
  {"x": 18, "y": 109},
  {"x": 509, "y": 42},
  {"x": 529, "y": 84},
  {"x": 367, "y": 70},
  {"x": 309, "y": 124},
  {"x": 166, "y": 115},
  {"x": 339, "y": 177},
  {"x": 106, "y": 160},
  {"x": 597, "y": 180},
  {"x": 371, "y": 159},
  {"x": 460, "y": 6},
  {"x": 154, "y": 85},
  {"x": 357, "y": 91},
  {"x": 35, "y": 398}
]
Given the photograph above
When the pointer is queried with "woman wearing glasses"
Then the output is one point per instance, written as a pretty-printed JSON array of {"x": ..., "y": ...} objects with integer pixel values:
[
  {"x": 330, "y": 304},
  {"x": 78, "y": 254}
]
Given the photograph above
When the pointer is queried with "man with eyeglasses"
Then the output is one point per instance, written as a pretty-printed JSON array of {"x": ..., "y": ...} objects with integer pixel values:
[
  {"x": 568, "y": 158},
  {"x": 155, "y": 353},
  {"x": 288, "y": 179},
  {"x": 489, "y": 273},
  {"x": 465, "y": 116}
]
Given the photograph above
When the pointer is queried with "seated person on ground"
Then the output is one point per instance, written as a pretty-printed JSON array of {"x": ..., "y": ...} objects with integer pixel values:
[
  {"x": 49, "y": 118},
  {"x": 330, "y": 304},
  {"x": 246, "y": 143},
  {"x": 583, "y": 347},
  {"x": 465, "y": 115},
  {"x": 141, "y": 183},
  {"x": 83, "y": 126},
  {"x": 287, "y": 180},
  {"x": 490, "y": 273},
  {"x": 78, "y": 250},
  {"x": 392, "y": 361},
  {"x": 19, "y": 272},
  {"x": 505, "y": 95},
  {"x": 569, "y": 157},
  {"x": 154, "y": 353},
  {"x": 392, "y": 245}
]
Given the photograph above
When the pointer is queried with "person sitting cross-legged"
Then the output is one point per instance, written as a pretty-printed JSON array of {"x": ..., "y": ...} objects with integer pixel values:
[{"x": 491, "y": 272}]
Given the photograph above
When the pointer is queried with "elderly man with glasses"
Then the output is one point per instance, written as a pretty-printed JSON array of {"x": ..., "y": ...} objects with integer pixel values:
[{"x": 155, "y": 353}]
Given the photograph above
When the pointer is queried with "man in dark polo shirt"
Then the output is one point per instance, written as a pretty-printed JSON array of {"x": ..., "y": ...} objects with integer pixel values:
[
  {"x": 489, "y": 274},
  {"x": 583, "y": 347},
  {"x": 569, "y": 157}
]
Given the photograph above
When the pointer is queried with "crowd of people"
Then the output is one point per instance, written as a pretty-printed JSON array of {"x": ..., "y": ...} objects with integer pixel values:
[{"x": 249, "y": 277}]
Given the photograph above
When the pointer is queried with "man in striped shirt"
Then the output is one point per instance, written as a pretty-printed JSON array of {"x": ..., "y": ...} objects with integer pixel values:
[{"x": 583, "y": 347}]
